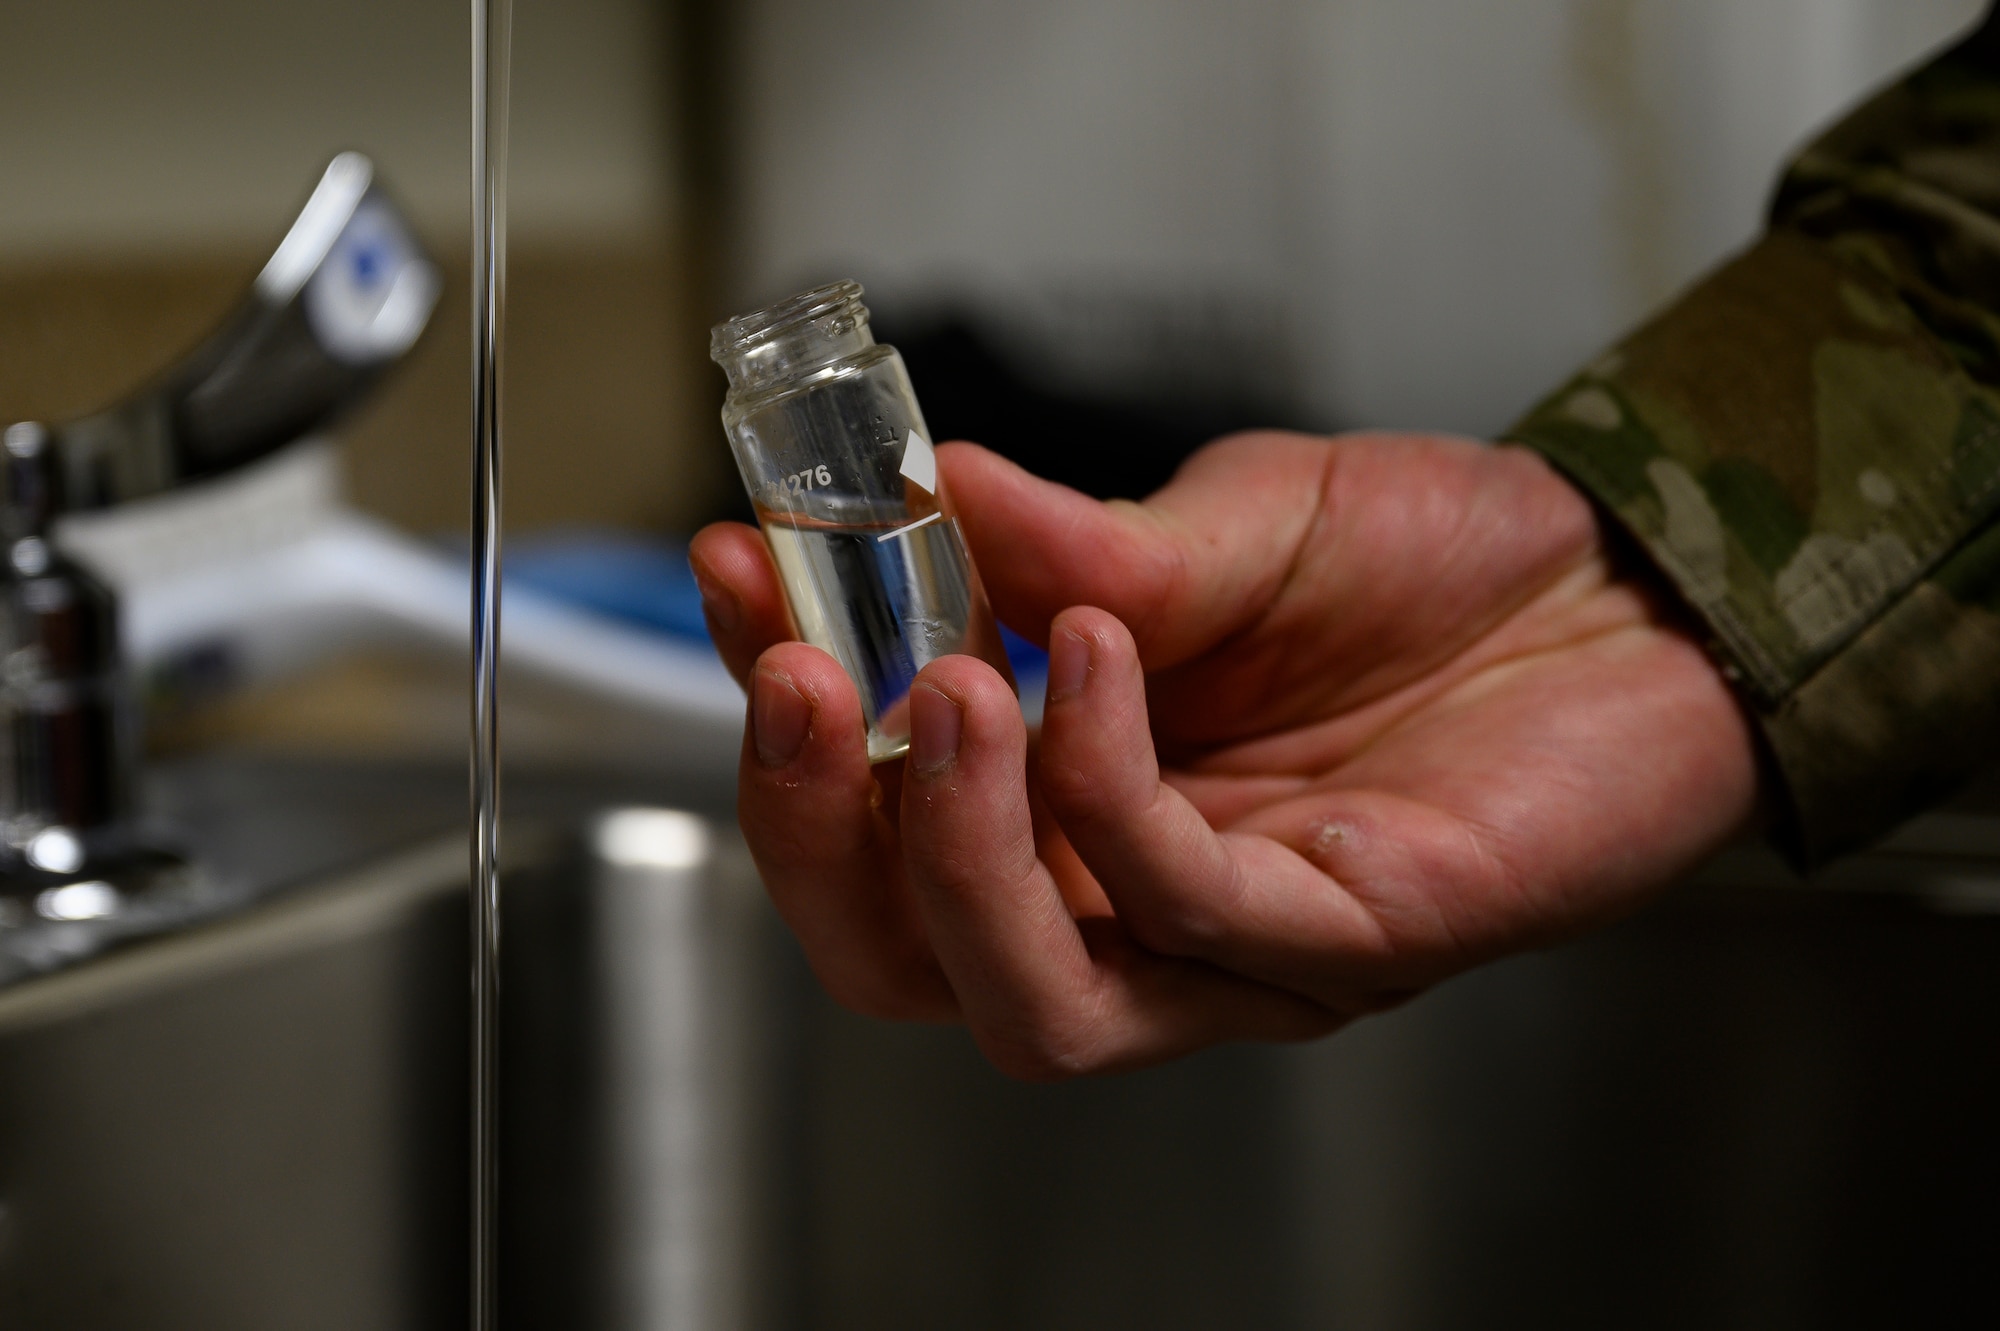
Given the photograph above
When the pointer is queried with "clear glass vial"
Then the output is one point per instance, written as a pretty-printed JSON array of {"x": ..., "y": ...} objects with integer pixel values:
[{"x": 834, "y": 453}]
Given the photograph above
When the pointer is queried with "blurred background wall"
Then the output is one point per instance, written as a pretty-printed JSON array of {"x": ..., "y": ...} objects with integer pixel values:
[
  {"x": 1312, "y": 212},
  {"x": 153, "y": 152},
  {"x": 1408, "y": 212},
  {"x": 1102, "y": 231}
]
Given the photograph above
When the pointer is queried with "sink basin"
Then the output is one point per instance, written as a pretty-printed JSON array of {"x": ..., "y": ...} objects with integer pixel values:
[
  {"x": 1759, "y": 1102},
  {"x": 261, "y": 1122}
]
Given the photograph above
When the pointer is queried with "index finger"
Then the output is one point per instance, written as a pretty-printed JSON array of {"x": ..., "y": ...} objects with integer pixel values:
[{"x": 740, "y": 595}]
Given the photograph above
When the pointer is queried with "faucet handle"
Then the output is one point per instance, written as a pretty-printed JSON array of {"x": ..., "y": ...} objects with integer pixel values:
[
  {"x": 346, "y": 293},
  {"x": 344, "y": 296}
]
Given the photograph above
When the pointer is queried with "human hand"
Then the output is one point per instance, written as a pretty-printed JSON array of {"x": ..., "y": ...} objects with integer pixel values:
[{"x": 1328, "y": 721}]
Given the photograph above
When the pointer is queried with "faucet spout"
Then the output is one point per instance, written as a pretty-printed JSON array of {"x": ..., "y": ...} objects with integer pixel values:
[
  {"x": 344, "y": 296},
  {"x": 346, "y": 293}
]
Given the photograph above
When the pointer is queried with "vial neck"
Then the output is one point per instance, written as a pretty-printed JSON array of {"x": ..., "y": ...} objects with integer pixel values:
[
  {"x": 793, "y": 356},
  {"x": 792, "y": 340}
]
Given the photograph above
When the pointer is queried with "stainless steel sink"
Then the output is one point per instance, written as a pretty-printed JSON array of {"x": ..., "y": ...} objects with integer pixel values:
[
  {"x": 261, "y": 1122},
  {"x": 1758, "y": 1103}
]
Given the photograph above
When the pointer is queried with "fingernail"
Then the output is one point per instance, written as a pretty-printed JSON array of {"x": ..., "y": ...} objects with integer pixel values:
[
  {"x": 724, "y": 610},
  {"x": 781, "y": 716},
  {"x": 1069, "y": 665},
  {"x": 935, "y": 723}
]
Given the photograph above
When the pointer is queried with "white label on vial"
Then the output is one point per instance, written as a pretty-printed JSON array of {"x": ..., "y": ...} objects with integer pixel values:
[{"x": 920, "y": 464}]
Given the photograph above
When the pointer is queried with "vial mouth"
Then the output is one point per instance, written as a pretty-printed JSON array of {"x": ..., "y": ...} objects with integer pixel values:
[{"x": 835, "y": 307}]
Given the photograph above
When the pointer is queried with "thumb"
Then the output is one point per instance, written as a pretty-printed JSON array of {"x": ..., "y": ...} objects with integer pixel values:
[{"x": 1197, "y": 561}]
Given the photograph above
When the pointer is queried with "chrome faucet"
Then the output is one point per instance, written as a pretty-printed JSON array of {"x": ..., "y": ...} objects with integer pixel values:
[{"x": 345, "y": 295}]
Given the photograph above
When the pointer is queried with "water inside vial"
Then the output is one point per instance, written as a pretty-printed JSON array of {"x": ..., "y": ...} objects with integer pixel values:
[{"x": 884, "y": 597}]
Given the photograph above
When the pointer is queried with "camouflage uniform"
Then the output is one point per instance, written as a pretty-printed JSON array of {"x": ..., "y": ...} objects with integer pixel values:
[{"x": 1808, "y": 445}]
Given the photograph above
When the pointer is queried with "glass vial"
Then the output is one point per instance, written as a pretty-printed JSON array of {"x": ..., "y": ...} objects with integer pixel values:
[{"x": 834, "y": 453}]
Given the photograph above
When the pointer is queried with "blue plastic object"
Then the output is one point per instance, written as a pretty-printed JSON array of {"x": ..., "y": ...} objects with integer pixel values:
[
  {"x": 629, "y": 578},
  {"x": 647, "y": 582}
]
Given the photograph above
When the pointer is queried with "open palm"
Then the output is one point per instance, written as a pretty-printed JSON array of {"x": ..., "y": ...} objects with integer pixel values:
[{"x": 1329, "y": 720}]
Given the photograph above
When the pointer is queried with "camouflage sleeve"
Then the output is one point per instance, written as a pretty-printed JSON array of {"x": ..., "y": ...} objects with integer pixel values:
[{"x": 1808, "y": 446}]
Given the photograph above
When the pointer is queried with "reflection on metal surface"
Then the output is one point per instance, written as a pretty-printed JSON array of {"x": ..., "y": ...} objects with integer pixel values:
[
  {"x": 319, "y": 225},
  {"x": 55, "y": 850},
  {"x": 30, "y": 556},
  {"x": 92, "y": 900},
  {"x": 652, "y": 839}
]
